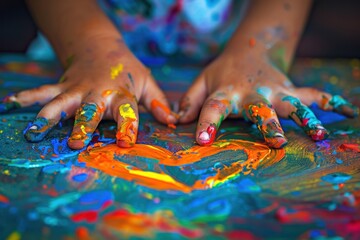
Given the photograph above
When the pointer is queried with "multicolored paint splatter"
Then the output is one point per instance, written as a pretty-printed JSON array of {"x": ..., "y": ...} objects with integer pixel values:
[{"x": 167, "y": 187}]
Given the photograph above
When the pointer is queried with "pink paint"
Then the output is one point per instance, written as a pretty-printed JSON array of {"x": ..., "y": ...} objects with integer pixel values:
[{"x": 207, "y": 137}]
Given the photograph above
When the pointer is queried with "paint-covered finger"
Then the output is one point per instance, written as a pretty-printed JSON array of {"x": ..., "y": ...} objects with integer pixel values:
[
  {"x": 155, "y": 101},
  {"x": 60, "y": 108},
  {"x": 266, "y": 120},
  {"x": 305, "y": 118},
  {"x": 327, "y": 102},
  {"x": 340, "y": 105},
  {"x": 87, "y": 118},
  {"x": 40, "y": 95},
  {"x": 126, "y": 115},
  {"x": 192, "y": 101},
  {"x": 215, "y": 109}
]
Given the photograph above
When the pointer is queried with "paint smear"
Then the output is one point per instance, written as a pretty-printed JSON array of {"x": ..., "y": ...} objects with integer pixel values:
[
  {"x": 126, "y": 134},
  {"x": 108, "y": 160}
]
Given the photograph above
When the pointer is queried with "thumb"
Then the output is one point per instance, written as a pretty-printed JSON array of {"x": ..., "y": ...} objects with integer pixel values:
[
  {"x": 155, "y": 101},
  {"x": 193, "y": 100}
]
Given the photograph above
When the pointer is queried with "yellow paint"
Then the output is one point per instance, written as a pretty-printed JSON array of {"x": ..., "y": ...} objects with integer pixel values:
[
  {"x": 126, "y": 111},
  {"x": 14, "y": 236},
  {"x": 6, "y": 172},
  {"x": 83, "y": 129},
  {"x": 115, "y": 71}
]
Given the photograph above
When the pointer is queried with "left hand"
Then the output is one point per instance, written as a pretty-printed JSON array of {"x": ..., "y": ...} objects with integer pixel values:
[{"x": 248, "y": 85}]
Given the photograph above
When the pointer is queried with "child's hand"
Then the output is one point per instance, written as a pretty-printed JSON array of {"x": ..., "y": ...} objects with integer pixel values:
[
  {"x": 104, "y": 80},
  {"x": 250, "y": 86}
]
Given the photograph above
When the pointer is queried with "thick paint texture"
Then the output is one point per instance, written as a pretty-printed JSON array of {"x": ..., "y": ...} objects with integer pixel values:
[
  {"x": 108, "y": 159},
  {"x": 126, "y": 134},
  {"x": 168, "y": 187},
  {"x": 266, "y": 121},
  {"x": 305, "y": 118},
  {"x": 38, "y": 129},
  {"x": 86, "y": 120}
]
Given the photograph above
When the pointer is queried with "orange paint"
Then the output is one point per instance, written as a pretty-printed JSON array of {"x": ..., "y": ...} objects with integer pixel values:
[
  {"x": 82, "y": 233},
  {"x": 108, "y": 160},
  {"x": 252, "y": 42},
  {"x": 144, "y": 225},
  {"x": 155, "y": 104}
]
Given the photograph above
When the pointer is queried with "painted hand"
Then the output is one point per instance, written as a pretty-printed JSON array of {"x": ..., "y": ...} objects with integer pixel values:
[
  {"x": 256, "y": 90},
  {"x": 100, "y": 82}
]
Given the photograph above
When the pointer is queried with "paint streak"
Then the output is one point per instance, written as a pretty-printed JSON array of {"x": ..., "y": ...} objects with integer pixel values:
[
  {"x": 207, "y": 137},
  {"x": 116, "y": 70},
  {"x": 350, "y": 146},
  {"x": 340, "y": 105},
  {"x": 336, "y": 178},
  {"x": 144, "y": 225},
  {"x": 266, "y": 121},
  {"x": 126, "y": 134},
  {"x": 38, "y": 129},
  {"x": 4, "y": 199},
  {"x": 305, "y": 118},
  {"x": 108, "y": 160},
  {"x": 86, "y": 121},
  {"x": 157, "y": 104}
]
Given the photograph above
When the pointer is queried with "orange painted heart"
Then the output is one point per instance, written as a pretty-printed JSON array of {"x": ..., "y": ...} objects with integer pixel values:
[{"x": 109, "y": 160}]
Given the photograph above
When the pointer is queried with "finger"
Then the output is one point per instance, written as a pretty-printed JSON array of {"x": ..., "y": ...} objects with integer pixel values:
[
  {"x": 327, "y": 102},
  {"x": 305, "y": 118},
  {"x": 155, "y": 101},
  {"x": 192, "y": 101},
  {"x": 125, "y": 113},
  {"x": 261, "y": 113},
  {"x": 40, "y": 95},
  {"x": 87, "y": 118},
  {"x": 61, "y": 107},
  {"x": 215, "y": 109}
]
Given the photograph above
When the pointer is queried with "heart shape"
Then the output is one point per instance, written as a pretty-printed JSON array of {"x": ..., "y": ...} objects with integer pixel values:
[{"x": 116, "y": 161}]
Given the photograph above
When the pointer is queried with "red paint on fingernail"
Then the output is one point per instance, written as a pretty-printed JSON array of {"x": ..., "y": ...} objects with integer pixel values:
[
  {"x": 207, "y": 137},
  {"x": 319, "y": 134}
]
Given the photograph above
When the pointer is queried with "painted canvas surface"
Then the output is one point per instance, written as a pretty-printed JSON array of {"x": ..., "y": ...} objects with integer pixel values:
[{"x": 168, "y": 187}]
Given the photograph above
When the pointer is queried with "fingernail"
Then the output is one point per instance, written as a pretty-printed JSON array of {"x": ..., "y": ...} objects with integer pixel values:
[
  {"x": 207, "y": 137},
  {"x": 38, "y": 129},
  {"x": 126, "y": 134},
  {"x": 318, "y": 133},
  {"x": 274, "y": 135},
  {"x": 9, "y": 104}
]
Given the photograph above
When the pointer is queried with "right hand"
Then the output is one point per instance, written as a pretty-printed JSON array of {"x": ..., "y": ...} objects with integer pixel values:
[{"x": 104, "y": 81}]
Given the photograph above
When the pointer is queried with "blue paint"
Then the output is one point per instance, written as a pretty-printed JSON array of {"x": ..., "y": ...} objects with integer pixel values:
[
  {"x": 264, "y": 91},
  {"x": 80, "y": 177},
  {"x": 326, "y": 117},
  {"x": 57, "y": 167},
  {"x": 247, "y": 185},
  {"x": 336, "y": 178},
  {"x": 338, "y": 161},
  {"x": 42, "y": 128},
  {"x": 96, "y": 198}
]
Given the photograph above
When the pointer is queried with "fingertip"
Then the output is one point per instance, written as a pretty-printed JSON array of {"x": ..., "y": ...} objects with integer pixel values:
[
  {"x": 126, "y": 134},
  {"x": 319, "y": 133},
  {"x": 163, "y": 113},
  {"x": 207, "y": 136},
  {"x": 276, "y": 142},
  {"x": 38, "y": 129}
]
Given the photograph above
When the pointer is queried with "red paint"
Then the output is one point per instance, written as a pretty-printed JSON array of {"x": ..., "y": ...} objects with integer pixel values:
[
  {"x": 350, "y": 146},
  {"x": 211, "y": 130},
  {"x": 82, "y": 233},
  {"x": 88, "y": 216},
  {"x": 283, "y": 216},
  {"x": 240, "y": 234},
  {"x": 4, "y": 199}
]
